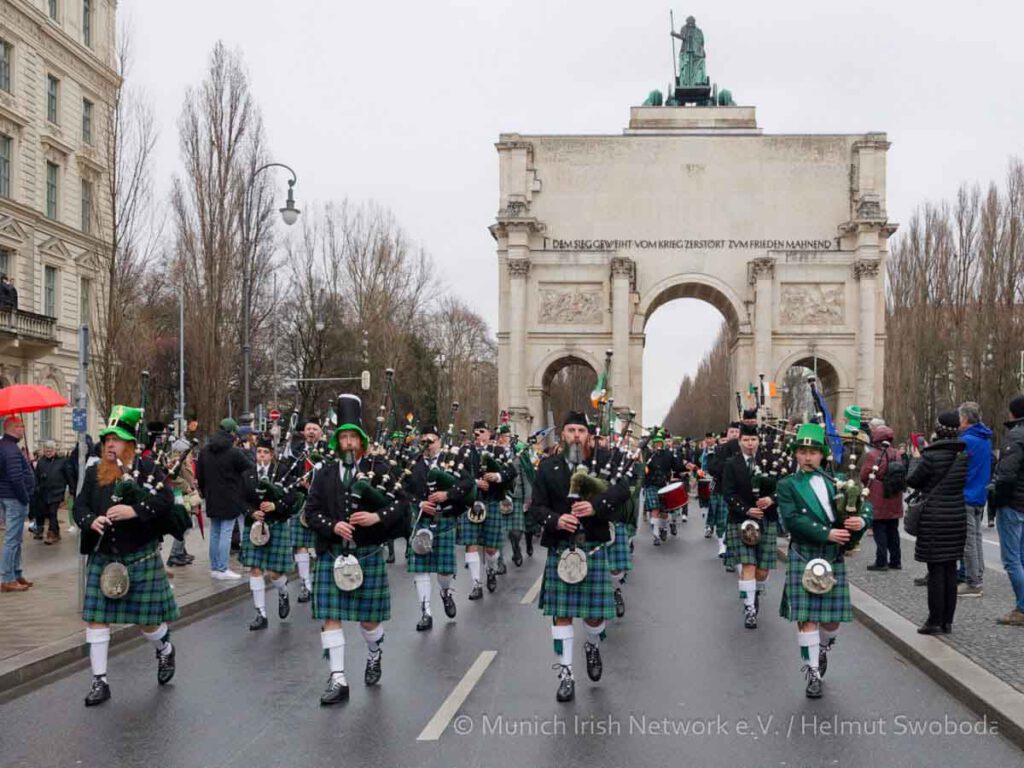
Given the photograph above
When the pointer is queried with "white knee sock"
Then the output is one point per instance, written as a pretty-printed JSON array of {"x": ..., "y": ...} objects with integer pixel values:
[
  {"x": 826, "y": 636},
  {"x": 373, "y": 637},
  {"x": 809, "y": 647},
  {"x": 654, "y": 525},
  {"x": 280, "y": 583},
  {"x": 594, "y": 634},
  {"x": 158, "y": 639},
  {"x": 562, "y": 635},
  {"x": 422, "y": 582},
  {"x": 492, "y": 560},
  {"x": 302, "y": 563},
  {"x": 99, "y": 644},
  {"x": 333, "y": 641},
  {"x": 762, "y": 586},
  {"x": 444, "y": 581},
  {"x": 747, "y": 591},
  {"x": 473, "y": 561},
  {"x": 259, "y": 594}
]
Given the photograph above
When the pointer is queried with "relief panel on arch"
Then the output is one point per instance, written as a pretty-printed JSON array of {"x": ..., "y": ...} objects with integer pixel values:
[
  {"x": 571, "y": 304},
  {"x": 812, "y": 304}
]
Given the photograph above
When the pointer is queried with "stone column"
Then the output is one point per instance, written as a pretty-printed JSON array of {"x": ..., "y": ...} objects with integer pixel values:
[
  {"x": 762, "y": 272},
  {"x": 623, "y": 271},
  {"x": 866, "y": 272},
  {"x": 518, "y": 272}
]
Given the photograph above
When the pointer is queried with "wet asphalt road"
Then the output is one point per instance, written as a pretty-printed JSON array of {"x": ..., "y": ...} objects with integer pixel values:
[{"x": 684, "y": 684}]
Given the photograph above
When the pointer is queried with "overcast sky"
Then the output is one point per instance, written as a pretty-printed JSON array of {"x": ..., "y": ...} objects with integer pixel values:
[{"x": 402, "y": 101}]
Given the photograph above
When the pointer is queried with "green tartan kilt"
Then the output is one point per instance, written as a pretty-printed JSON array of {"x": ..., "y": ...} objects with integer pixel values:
[
  {"x": 489, "y": 533},
  {"x": 718, "y": 514},
  {"x": 651, "y": 499},
  {"x": 442, "y": 557},
  {"x": 371, "y": 602},
  {"x": 301, "y": 537},
  {"x": 275, "y": 555},
  {"x": 149, "y": 599},
  {"x": 619, "y": 558},
  {"x": 592, "y": 598},
  {"x": 517, "y": 520},
  {"x": 765, "y": 555},
  {"x": 800, "y": 605}
]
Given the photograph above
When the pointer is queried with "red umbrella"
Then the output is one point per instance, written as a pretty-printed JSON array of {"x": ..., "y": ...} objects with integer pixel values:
[{"x": 28, "y": 398}]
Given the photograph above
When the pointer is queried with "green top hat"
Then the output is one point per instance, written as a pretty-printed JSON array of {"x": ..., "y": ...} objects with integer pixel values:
[
  {"x": 350, "y": 418},
  {"x": 810, "y": 436},
  {"x": 123, "y": 422},
  {"x": 853, "y": 415},
  {"x": 657, "y": 436}
]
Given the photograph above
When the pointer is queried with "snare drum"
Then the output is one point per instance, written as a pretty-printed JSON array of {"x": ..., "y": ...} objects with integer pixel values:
[
  {"x": 673, "y": 496},
  {"x": 704, "y": 489}
]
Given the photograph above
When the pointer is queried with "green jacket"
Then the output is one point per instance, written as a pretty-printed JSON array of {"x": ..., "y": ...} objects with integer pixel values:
[{"x": 803, "y": 515}]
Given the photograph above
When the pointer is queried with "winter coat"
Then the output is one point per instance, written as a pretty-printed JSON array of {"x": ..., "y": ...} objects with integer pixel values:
[
  {"x": 50, "y": 480},
  {"x": 16, "y": 478},
  {"x": 979, "y": 463},
  {"x": 1008, "y": 479},
  {"x": 220, "y": 472},
  {"x": 884, "y": 509},
  {"x": 943, "y": 524}
]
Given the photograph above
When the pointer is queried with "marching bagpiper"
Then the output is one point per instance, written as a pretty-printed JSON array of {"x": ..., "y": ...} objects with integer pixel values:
[
  {"x": 751, "y": 531},
  {"x": 434, "y": 532},
  {"x": 518, "y": 525},
  {"x": 350, "y": 581},
  {"x": 123, "y": 511},
  {"x": 308, "y": 458},
  {"x": 718, "y": 511},
  {"x": 268, "y": 546},
  {"x": 480, "y": 526},
  {"x": 816, "y": 594},
  {"x": 503, "y": 450},
  {"x": 575, "y": 523}
]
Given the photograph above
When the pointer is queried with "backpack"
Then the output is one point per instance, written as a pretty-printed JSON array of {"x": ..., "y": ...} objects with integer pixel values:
[{"x": 894, "y": 482}]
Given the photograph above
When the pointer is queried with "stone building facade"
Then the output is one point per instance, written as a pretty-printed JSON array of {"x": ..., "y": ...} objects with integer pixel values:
[{"x": 57, "y": 82}]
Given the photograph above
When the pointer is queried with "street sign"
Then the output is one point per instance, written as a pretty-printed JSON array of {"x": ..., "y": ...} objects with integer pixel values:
[
  {"x": 78, "y": 420},
  {"x": 274, "y": 415}
]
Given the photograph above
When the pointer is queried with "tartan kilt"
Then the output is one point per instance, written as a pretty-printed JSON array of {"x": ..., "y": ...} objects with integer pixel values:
[
  {"x": 800, "y": 605},
  {"x": 764, "y": 556},
  {"x": 651, "y": 500},
  {"x": 371, "y": 602},
  {"x": 301, "y": 537},
  {"x": 442, "y": 557},
  {"x": 592, "y": 598},
  {"x": 517, "y": 520},
  {"x": 718, "y": 514},
  {"x": 489, "y": 533},
  {"x": 275, "y": 555},
  {"x": 619, "y": 558},
  {"x": 149, "y": 599}
]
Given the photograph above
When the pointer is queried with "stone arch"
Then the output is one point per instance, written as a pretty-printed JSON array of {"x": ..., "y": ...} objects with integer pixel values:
[
  {"x": 693, "y": 285},
  {"x": 545, "y": 372},
  {"x": 834, "y": 381}
]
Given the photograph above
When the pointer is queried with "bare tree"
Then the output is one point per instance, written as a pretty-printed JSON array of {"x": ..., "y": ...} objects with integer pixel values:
[{"x": 704, "y": 401}]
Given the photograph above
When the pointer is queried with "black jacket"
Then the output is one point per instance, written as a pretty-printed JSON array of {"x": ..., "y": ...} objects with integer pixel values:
[
  {"x": 418, "y": 490},
  {"x": 220, "y": 471},
  {"x": 125, "y": 536},
  {"x": 660, "y": 466},
  {"x": 1008, "y": 477},
  {"x": 330, "y": 502},
  {"x": 551, "y": 500},
  {"x": 943, "y": 525},
  {"x": 738, "y": 489},
  {"x": 50, "y": 479},
  {"x": 716, "y": 463}
]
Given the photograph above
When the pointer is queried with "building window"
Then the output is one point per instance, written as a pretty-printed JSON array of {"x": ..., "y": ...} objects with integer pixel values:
[
  {"x": 52, "y": 85},
  {"x": 6, "y": 56},
  {"x": 5, "y": 166},
  {"x": 86, "y": 206},
  {"x": 46, "y": 424},
  {"x": 5, "y": 261},
  {"x": 50, "y": 291},
  {"x": 86, "y": 121},
  {"x": 53, "y": 9},
  {"x": 84, "y": 301},
  {"x": 51, "y": 191},
  {"x": 87, "y": 22}
]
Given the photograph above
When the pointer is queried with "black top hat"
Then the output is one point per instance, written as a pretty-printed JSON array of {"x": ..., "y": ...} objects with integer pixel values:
[
  {"x": 748, "y": 430},
  {"x": 350, "y": 418},
  {"x": 265, "y": 442},
  {"x": 575, "y": 417},
  {"x": 481, "y": 424},
  {"x": 750, "y": 413},
  {"x": 429, "y": 429}
]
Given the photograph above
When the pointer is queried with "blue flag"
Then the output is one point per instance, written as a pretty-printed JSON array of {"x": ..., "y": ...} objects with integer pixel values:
[{"x": 835, "y": 443}]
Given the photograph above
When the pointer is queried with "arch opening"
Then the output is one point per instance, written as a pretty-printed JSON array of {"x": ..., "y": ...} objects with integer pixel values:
[
  {"x": 796, "y": 393},
  {"x": 566, "y": 385}
]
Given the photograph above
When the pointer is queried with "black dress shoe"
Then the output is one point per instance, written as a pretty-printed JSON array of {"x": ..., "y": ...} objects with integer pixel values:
[
  {"x": 896, "y": 567},
  {"x": 566, "y": 684},
  {"x": 502, "y": 568},
  {"x": 620, "y": 604},
  {"x": 947, "y": 628},
  {"x": 492, "y": 580},
  {"x": 304, "y": 595},
  {"x": 672, "y": 528},
  {"x": 594, "y": 665},
  {"x": 426, "y": 622},
  {"x": 284, "y": 606},
  {"x": 663, "y": 534},
  {"x": 813, "y": 690},
  {"x": 657, "y": 541},
  {"x": 929, "y": 629},
  {"x": 189, "y": 558},
  {"x": 165, "y": 666},
  {"x": 373, "y": 671},
  {"x": 876, "y": 567},
  {"x": 921, "y": 581},
  {"x": 98, "y": 693},
  {"x": 449, "y": 603},
  {"x": 176, "y": 562},
  {"x": 477, "y": 592},
  {"x": 335, "y": 693},
  {"x": 749, "y": 617},
  {"x": 260, "y": 622}
]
